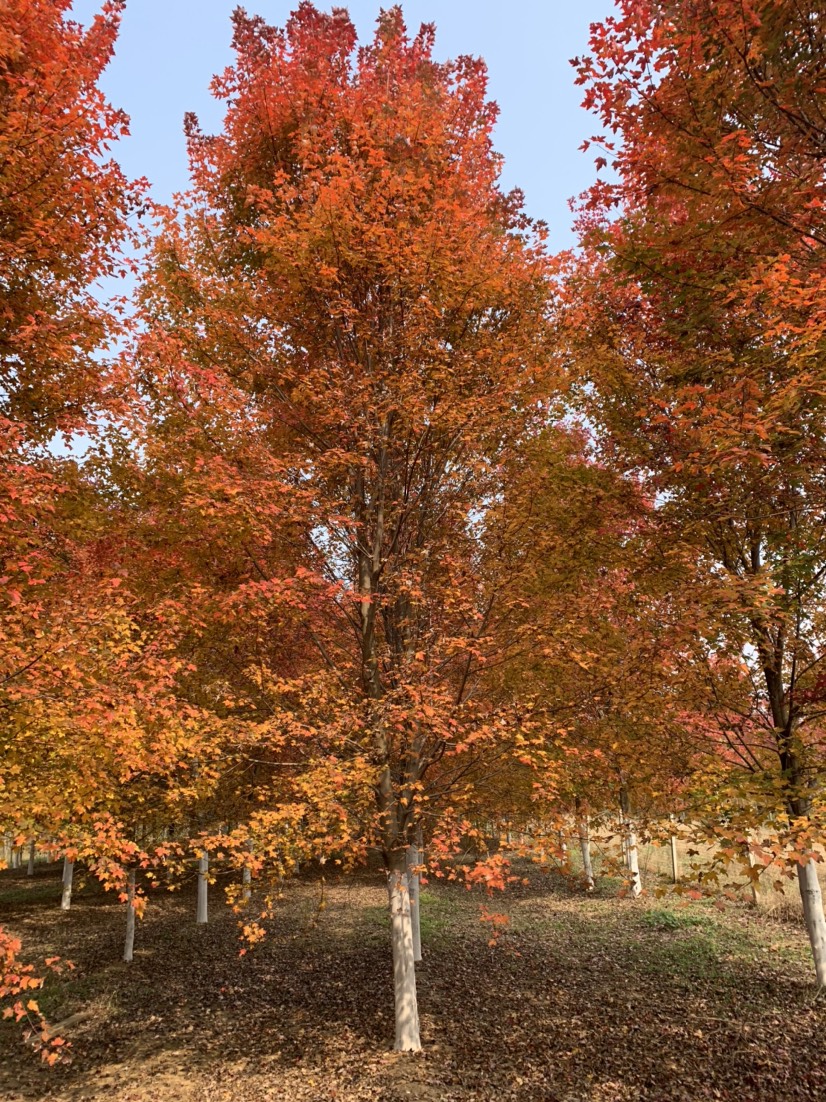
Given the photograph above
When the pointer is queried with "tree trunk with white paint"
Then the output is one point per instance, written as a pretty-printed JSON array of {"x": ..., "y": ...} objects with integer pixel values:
[
  {"x": 675, "y": 860},
  {"x": 129, "y": 944},
  {"x": 68, "y": 881},
  {"x": 415, "y": 896},
  {"x": 585, "y": 850},
  {"x": 203, "y": 888},
  {"x": 631, "y": 854},
  {"x": 812, "y": 899},
  {"x": 404, "y": 968},
  {"x": 634, "y": 862},
  {"x": 32, "y": 849}
]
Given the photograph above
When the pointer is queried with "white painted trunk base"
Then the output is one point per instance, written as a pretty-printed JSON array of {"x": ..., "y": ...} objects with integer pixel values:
[
  {"x": 68, "y": 880},
  {"x": 415, "y": 901},
  {"x": 404, "y": 968},
  {"x": 129, "y": 944},
  {"x": 812, "y": 899},
  {"x": 585, "y": 850},
  {"x": 634, "y": 862}
]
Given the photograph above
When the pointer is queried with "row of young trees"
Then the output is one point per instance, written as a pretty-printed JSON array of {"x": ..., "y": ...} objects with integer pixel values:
[{"x": 389, "y": 524}]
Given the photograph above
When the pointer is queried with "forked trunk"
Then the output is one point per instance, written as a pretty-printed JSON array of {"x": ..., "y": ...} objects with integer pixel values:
[
  {"x": 203, "y": 888},
  {"x": 129, "y": 944},
  {"x": 404, "y": 969},
  {"x": 68, "y": 880},
  {"x": 812, "y": 900},
  {"x": 415, "y": 896}
]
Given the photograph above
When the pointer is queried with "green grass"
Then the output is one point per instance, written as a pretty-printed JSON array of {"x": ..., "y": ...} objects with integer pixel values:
[
  {"x": 437, "y": 913},
  {"x": 661, "y": 918}
]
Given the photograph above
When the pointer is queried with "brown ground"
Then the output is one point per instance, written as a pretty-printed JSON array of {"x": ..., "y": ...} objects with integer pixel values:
[{"x": 583, "y": 1000}]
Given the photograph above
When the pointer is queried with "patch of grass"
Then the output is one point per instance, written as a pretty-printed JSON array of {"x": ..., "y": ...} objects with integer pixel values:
[
  {"x": 30, "y": 893},
  {"x": 437, "y": 913},
  {"x": 660, "y": 918}
]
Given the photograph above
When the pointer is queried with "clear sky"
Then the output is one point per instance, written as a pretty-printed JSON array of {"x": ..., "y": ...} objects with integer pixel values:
[{"x": 169, "y": 50}]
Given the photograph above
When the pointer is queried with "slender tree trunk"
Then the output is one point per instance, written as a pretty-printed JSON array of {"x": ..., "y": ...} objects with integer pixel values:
[
  {"x": 30, "y": 868},
  {"x": 203, "y": 888},
  {"x": 632, "y": 856},
  {"x": 585, "y": 850},
  {"x": 129, "y": 945},
  {"x": 415, "y": 897},
  {"x": 633, "y": 862},
  {"x": 812, "y": 899},
  {"x": 753, "y": 884},
  {"x": 68, "y": 881},
  {"x": 246, "y": 878},
  {"x": 404, "y": 968},
  {"x": 675, "y": 860}
]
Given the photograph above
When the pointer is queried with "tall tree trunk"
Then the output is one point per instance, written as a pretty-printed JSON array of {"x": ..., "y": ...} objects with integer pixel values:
[
  {"x": 203, "y": 888},
  {"x": 404, "y": 968},
  {"x": 415, "y": 897},
  {"x": 30, "y": 867},
  {"x": 68, "y": 881},
  {"x": 129, "y": 944},
  {"x": 812, "y": 899}
]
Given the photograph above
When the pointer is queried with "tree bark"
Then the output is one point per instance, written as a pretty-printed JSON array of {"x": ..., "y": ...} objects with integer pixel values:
[
  {"x": 129, "y": 944},
  {"x": 30, "y": 868},
  {"x": 631, "y": 854},
  {"x": 203, "y": 888},
  {"x": 753, "y": 884},
  {"x": 404, "y": 969},
  {"x": 675, "y": 860},
  {"x": 415, "y": 896},
  {"x": 585, "y": 850},
  {"x": 68, "y": 880},
  {"x": 812, "y": 899}
]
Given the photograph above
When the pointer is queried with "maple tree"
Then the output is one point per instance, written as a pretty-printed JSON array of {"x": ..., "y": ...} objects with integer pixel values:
[
  {"x": 702, "y": 286},
  {"x": 346, "y": 320},
  {"x": 64, "y": 206}
]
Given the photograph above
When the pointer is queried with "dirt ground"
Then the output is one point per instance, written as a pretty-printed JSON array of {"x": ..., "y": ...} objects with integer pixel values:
[{"x": 583, "y": 999}]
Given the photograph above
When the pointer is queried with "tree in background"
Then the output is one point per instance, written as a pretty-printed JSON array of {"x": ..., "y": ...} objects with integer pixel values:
[{"x": 701, "y": 301}]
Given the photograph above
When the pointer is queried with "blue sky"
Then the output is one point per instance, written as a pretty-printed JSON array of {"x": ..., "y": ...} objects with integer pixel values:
[{"x": 169, "y": 50}]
